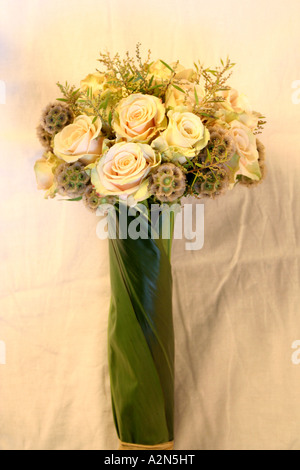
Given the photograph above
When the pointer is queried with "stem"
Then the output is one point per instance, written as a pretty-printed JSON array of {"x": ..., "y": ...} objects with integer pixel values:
[{"x": 167, "y": 242}]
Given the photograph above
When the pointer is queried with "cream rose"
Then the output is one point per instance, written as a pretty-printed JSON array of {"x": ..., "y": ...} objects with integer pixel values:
[
  {"x": 247, "y": 162},
  {"x": 185, "y": 134},
  {"x": 138, "y": 117},
  {"x": 123, "y": 169},
  {"x": 233, "y": 101},
  {"x": 237, "y": 107},
  {"x": 80, "y": 140}
]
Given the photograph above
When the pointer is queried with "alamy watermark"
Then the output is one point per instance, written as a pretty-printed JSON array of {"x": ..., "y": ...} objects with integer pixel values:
[
  {"x": 296, "y": 93},
  {"x": 134, "y": 222},
  {"x": 2, "y": 92},
  {"x": 2, "y": 353},
  {"x": 296, "y": 354}
]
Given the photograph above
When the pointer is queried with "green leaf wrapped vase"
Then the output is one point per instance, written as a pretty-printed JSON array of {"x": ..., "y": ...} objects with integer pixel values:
[{"x": 141, "y": 339}]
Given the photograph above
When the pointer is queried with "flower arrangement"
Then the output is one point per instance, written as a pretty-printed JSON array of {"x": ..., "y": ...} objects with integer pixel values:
[
  {"x": 146, "y": 131},
  {"x": 143, "y": 132}
]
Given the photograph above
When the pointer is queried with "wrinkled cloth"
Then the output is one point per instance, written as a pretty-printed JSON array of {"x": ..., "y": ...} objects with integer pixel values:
[{"x": 235, "y": 301}]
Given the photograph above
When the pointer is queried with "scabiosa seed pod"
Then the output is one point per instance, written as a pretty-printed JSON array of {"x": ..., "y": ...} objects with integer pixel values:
[
  {"x": 211, "y": 185},
  {"x": 262, "y": 155},
  {"x": 44, "y": 137},
  {"x": 216, "y": 134},
  {"x": 220, "y": 145},
  {"x": 72, "y": 180},
  {"x": 230, "y": 145},
  {"x": 55, "y": 117},
  {"x": 167, "y": 183},
  {"x": 92, "y": 200}
]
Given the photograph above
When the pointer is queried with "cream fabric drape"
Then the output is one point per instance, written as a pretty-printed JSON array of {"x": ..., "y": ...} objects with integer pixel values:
[{"x": 236, "y": 301}]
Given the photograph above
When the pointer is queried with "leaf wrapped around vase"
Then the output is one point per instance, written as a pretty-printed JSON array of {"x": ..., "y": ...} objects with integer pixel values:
[
  {"x": 144, "y": 133},
  {"x": 141, "y": 338}
]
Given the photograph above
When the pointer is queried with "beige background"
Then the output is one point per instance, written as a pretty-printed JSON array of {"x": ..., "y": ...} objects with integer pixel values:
[{"x": 236, "y": 302}]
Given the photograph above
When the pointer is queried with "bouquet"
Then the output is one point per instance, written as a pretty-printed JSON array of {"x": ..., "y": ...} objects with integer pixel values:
[{"x": 134, "y": 139}]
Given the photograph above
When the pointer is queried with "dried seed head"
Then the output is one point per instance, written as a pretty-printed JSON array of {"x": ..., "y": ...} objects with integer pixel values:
[
  {"x": 167, "y": 183},
  {"x": 55, "y": 117},
  {"x": 72, "y": 180},
  {"x": 92, "y": 200},
  {"x": 44, "y": 137},
  {"x": 212, "y": 185}
]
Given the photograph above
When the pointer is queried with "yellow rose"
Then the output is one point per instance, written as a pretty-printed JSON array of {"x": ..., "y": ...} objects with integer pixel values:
[
  {"x": 138, "y": 117},
  {"x": 159, "y": 71},
  {"x": 175, "y": 97},
  {"x": 123, "y": 169},
  {"x": 44, "y": 171},
  {"x": 99, "y": 83},
  {"x": 184, "y": 136},
  {"x": 96, "y": 81},
  {"x": 162, "y": 73},
  {"x": 80, "y": 140},
  {"x": 245, "y": 161},
  {"x": 44, "y": 174}
]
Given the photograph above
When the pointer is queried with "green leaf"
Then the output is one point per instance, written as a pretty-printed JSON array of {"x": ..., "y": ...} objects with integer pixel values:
[
  {"x": 168, "y": 66},
  {"x": 104, "y": 103},
  {"x": 137, "y": 79},
  {"x": 178, "y": 88},
  {"x": 206, "y": 115},
  {"x": 156, "y": 86},
  {"x": 196, "y": 96},
  {"x": 62, "y": 99},
  {"x": 139, "y": 75},
  {"x": 72, "y": 200},
  {"x": 208, "y": 158},
  {"x": 110, "y": 118},
  {"x": 94, "y": 120}
]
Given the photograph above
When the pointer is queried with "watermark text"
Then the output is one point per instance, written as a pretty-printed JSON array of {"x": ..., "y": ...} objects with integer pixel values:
[
  {"x": 296, "y": 354},
  {"x": 296, "y": 93},
  {"x": 2, "y": 353},
  {"x": 2, "y": 92},
  {"x": 140, "y": 222}
]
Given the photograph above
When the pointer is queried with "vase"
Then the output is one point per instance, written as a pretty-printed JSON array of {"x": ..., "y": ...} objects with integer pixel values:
[{"x": 140, "y": 333}]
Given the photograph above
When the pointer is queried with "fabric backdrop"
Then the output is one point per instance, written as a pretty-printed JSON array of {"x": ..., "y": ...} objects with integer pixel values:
[{"x": 236, "y": 301}]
